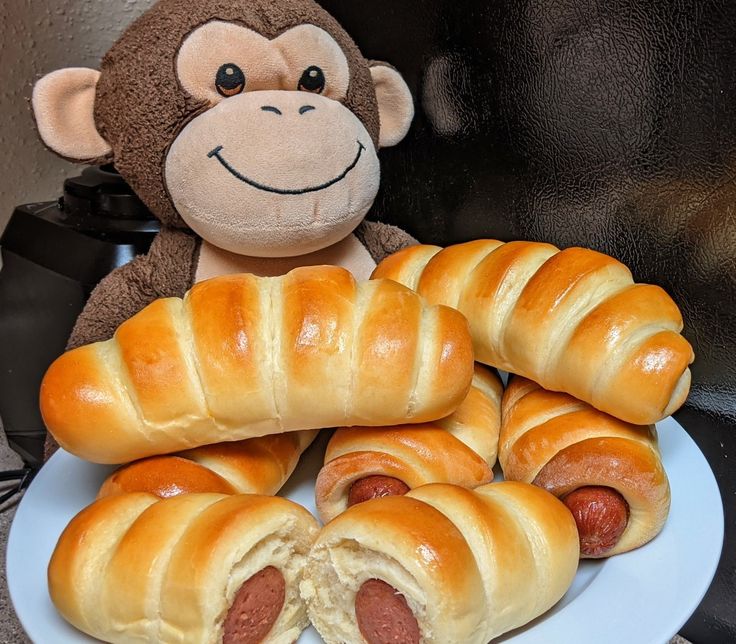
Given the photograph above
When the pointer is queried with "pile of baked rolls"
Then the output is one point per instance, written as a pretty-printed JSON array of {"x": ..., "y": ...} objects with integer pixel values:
[{"x": 210, "y": 400}]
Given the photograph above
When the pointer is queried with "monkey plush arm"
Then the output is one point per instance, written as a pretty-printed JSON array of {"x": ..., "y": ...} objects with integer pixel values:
[
  {"x": 382, "y": 240},
  {"x": 166, "y": 271}
]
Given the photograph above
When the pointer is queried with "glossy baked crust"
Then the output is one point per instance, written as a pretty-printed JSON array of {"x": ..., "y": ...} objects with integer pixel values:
[
  {"x": 572, "y": 320},
  {"x": 459, "y": 449},
  {"x": 471, "y": 564},
  {"x": 132, "y": 567},
  {"x": 252, "y": 466},
  {"x": 563, "y": 444},
  {"x": 242, "y": 356}
]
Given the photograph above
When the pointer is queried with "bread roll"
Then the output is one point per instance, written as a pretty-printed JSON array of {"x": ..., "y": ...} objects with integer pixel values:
[
  {"x": 244, "y": 356},
  {"x": 196, "y": 568},
  {"x": 608, "y": 472},
  {"x": 365, "y": 462},
  {"x": 253, "y": 466},
  {"x": 442, "y": 564},
  {"x": 571, "y": 320}
]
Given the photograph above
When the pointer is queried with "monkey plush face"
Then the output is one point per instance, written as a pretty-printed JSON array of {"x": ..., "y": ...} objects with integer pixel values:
[
  {"x": 274, "y": 105},
  {"x": 254, "y": 122}
]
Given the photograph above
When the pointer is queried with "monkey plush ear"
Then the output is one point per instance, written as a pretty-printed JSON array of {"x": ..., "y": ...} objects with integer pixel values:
[
  {"x": 395, "y": 104},
  {"x": 63, "y": 106}
]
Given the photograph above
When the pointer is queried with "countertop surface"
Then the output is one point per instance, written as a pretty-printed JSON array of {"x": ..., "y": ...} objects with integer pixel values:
[{"x": 10, "y": 628}]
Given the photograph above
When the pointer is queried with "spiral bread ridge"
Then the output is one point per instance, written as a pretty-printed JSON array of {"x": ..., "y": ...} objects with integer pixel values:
[
  {"x": 252, "y": 466},
  {"x": 491, "y": 560},
  {"x": 607, "y": 471},
  {"x": 243, "y": 356},
  {"x": 572, "y": 320},
  {"x": 132, "y": 567},
  {"x": 459, "y": 449}
]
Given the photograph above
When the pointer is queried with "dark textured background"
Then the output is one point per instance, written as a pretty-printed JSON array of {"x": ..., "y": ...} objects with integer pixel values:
[{"x": 610, "y": 125}]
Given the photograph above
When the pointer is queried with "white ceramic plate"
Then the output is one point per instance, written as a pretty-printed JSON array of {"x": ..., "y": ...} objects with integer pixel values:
[{"x": 642, "y": 597}]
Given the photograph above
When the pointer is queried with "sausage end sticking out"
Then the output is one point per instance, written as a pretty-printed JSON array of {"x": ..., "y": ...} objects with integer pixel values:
[
  {"x": 256, "y": 608},
  {"x": 384, "y": 616},
  {"x": 601, "y": 514},
  {"x": 373, "y": 487}
]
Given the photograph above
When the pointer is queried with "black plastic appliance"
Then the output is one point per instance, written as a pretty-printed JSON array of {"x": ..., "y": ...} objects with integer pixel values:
[{"x": 53, "y": 254}]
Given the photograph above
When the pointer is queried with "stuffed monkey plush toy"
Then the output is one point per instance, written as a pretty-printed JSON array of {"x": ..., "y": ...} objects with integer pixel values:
[{"x": 248, "y": 127}]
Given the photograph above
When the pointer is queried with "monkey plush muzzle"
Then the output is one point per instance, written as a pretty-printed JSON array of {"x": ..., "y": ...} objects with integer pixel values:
[{"x": 265, "y": 172}]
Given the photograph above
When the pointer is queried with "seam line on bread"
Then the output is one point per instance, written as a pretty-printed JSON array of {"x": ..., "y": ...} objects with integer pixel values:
[
  {"x": 274, "y": 331},
  {"x": 117, "y": 369},
  {"x": 168, "y": 554},
  {"x": 184, "y": 330},
  {"x": 563, "y": 327},
  {"x": 426, "y": 315},
  {"x": 360, "y": 298},
  {"x": 621, "y": 353},
  {"x": 514, "y": 289}
]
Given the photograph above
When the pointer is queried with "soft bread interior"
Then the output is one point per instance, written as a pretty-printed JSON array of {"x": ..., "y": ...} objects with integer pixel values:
[
  {"x": 288, "y": 556},
  {"x": 279, "y": 549},
  {"x": 333, "y": 577}
]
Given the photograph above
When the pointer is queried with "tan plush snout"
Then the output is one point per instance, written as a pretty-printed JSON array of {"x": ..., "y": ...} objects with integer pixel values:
[{"x": 273, "y": 173}]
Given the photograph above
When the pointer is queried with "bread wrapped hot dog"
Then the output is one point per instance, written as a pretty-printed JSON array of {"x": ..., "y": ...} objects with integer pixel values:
[
  {"x": 197, "y": 568},
  {"x": 363, "y": 463},
  {"x": 442, "y": 564},
  {"x": 243, "y": 356},
  {"x": 609, "y": 473},
  {"x": 253, "y": 466},
  {"x": 571, "y": 320}
]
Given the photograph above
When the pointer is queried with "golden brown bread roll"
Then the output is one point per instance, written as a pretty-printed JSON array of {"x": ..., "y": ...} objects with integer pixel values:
[
  {"x": 253, "y": 466},
  {"x": 572, "y": 320},
  {"x": 243, "y": 356},
  {"x": 196, "y": 568},
  {"x": 607, "y": 471},
  {"x": 362, "y": 463},
  {"x": 442, "y": 564}
]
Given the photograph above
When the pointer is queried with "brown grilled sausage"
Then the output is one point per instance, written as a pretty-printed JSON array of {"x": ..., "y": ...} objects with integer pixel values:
[
  {"x": 383, "y": 615},
  {"x": 601, "y": 514},
  {"x": 255, "y": 608},
  {"x": 373, "y": 487}
]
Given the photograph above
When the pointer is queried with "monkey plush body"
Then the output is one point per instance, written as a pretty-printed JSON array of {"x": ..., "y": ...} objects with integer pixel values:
[
  {"x": 250, "y": 128},
  {"x": 178, "y": 259}
]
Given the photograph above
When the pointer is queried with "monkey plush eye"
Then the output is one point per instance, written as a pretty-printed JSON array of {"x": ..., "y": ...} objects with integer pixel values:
[
  {"x": 312, "y": 80},
  {"x": 230, "y": 80}
]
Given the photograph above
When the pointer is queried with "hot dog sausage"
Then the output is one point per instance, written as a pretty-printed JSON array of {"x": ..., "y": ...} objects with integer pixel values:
[
  {"x": 601, "y": 514},
  {"x": 383, "y": 615},
  {"x": 372, "y": 487},
  {"x": 256, "y": 607}
]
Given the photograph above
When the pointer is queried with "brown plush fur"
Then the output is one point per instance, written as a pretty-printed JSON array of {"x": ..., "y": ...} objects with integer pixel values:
[
  {"x": 166, "y": 271},
  {"x": 140, "y": 107}
]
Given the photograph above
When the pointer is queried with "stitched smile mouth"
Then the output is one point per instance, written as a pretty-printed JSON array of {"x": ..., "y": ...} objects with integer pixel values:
[{"x": 216, "y": 152}]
